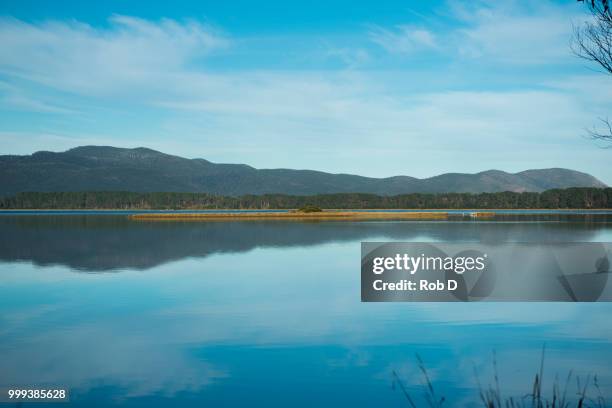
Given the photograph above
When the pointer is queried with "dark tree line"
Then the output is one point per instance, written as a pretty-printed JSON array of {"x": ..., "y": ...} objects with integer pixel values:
[{"x": 557, "y": 198}]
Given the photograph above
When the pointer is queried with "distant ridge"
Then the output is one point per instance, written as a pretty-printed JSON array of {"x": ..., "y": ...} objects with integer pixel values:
[{"x": 105, "y": 168}]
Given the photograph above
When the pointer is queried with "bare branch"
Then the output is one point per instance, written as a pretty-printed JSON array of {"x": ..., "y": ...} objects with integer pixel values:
[
  {"x": 592, "y": 41},
  {"x": 605, "y": 135}
]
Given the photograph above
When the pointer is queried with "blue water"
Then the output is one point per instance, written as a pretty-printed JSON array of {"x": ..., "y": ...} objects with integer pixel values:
[{"x": 145, "y": 314}]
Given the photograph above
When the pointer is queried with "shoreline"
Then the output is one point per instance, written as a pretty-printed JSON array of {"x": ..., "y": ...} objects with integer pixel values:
[
  {"x": 323, "y": 215},
  {"x": 211, "y": 210}
]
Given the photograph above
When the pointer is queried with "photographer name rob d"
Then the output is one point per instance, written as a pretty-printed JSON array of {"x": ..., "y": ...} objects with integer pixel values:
[{"x": 422, "y": 285}]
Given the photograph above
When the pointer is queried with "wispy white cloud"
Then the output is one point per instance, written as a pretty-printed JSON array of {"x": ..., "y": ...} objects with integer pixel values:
[
  {"x": 404, "y": 39},
  {"x": 508, "y": 32},
  {"x": 76, "y": 57},
  {"x": 515, "y": 32}
]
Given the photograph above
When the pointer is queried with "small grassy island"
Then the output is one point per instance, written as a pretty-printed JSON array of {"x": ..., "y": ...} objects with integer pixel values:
[
  {"x": 309, "y": 209},
  {"x": 292, "y": 215}
]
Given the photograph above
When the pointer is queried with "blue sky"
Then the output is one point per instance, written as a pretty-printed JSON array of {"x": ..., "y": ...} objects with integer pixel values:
[{"x": 379, "y": 89}]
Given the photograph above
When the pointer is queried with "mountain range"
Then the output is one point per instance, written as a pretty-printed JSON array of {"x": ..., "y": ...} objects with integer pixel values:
[{"x": 105, "y": 168}]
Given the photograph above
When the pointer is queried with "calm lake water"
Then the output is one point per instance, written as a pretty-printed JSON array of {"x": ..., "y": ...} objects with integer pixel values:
[{"x": 142, "y": 314}]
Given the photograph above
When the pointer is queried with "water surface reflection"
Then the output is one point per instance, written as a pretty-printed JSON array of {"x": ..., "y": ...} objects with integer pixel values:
[
  {"x": 265, "y": 313},
  {"x": 102, "y": 243}
]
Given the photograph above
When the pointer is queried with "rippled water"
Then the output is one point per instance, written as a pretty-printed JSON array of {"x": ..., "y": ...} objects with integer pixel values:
[{"x": 132, "y": 313}]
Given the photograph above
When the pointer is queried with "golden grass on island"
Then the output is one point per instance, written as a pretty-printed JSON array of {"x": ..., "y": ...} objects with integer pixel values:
[{"x": 322, "y": 215}]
